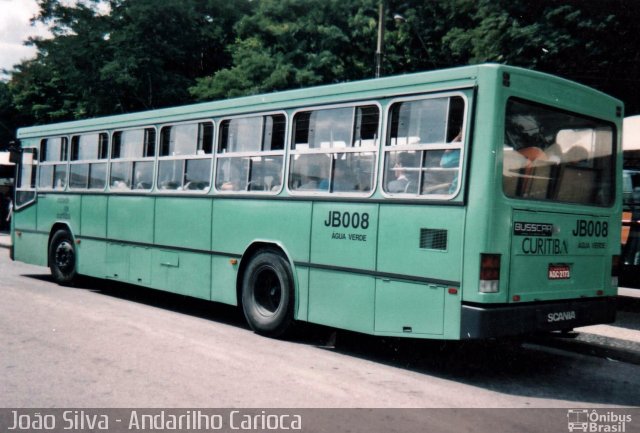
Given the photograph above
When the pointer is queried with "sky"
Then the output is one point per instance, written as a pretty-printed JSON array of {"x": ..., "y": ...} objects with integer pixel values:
[{"x": 15, "y": 28}]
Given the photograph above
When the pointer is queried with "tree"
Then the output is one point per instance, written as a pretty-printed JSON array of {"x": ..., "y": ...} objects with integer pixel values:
[
  {"x": 60, "y": 82},
  {"x": 591, "y": 42},
  {"x": 8, "y": 115},
  {"x": 290, "y": 43},
  {"x": 159, "y": 48},
  {"x": 142, "y": 54}
]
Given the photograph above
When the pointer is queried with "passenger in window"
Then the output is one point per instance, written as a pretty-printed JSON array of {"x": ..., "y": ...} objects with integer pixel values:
[
  {"x": 119, "y": 184},
  {"x": 193, "y": 186},
  {"x": 230, "y": 185},
  {"x": 234, "y": 180},
  {"x": 401, "y": 181},
  {"x": 59, "y": 178},
  {"x": 169, "y": 184},
  {"x": 314, "y": 180},
  {"x": 139, "y": 181},
  {"x": 273, "y": 176},
  {"x": 273, "y": 181},
  {"x": 364, "y": 181},
  {"x": 451, "y": 159},
  {"x": 554, "y": 153},
  {"x": 194, "y": 183},
  {"x": 533, "y": 153},
  {"x": 577, "y": 155},
  {"x": 342, "y": 179}
]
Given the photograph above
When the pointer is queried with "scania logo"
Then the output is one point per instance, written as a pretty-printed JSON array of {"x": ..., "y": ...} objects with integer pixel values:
[{"x": 561, "y": 316}]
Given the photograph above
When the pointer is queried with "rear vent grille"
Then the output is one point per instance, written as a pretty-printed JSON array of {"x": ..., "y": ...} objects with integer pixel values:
[{"x": 433, "y": 239}]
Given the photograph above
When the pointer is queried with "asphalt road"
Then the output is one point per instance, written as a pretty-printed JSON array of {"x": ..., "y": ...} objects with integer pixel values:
[{"x": 104, "y": 344}]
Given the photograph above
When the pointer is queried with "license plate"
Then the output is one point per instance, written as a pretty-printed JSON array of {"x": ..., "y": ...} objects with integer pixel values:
[{"x": 559, "y": 272}]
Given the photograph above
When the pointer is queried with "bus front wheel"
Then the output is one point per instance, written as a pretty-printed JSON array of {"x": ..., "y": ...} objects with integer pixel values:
[
  {"x": 268, "y": 294},
  {"x": 62, "y": 258}
]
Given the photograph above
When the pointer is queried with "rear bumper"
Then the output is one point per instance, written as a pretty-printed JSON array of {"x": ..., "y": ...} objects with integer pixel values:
[{"x": 487, "y": 321}]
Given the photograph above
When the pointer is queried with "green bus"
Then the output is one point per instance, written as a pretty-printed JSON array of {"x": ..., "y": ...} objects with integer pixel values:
[{"x": 474, "y": 202}]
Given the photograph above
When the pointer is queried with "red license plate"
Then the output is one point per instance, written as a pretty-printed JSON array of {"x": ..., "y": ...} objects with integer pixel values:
[{"x": 559, "y": 272}]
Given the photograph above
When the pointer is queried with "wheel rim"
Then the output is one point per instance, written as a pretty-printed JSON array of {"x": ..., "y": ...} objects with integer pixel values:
[
  {"x": 267, "y": 291},
  {"x": 64, "y": 259}
]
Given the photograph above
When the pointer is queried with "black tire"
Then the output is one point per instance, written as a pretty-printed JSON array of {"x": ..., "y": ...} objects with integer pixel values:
[
  {"x": 268, "y": 294},
  {"x": 62, "y": 258}
]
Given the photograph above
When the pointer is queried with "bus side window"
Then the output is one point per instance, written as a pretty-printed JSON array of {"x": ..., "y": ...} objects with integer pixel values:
[
  {"x": 251, "y": 154},
  {"x": 333, "y": 149},
  {"x": 132, "y": 156},
  {"x": 53, "y": 163},
  {"x": 87, "y": 166},
  {"x": 184, "y": 159},
  {"x": 424, "y": 147}
]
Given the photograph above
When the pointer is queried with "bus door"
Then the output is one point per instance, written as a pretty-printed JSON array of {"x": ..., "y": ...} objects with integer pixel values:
[{"x": 343, "y": 251}]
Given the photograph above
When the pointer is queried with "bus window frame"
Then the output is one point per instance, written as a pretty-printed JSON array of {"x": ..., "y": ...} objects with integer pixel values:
[
  {"x": 615, "y": 133},
  {"x": 46, "y": 163},
  {"x": 185, "y": 158},
  {"x": 91, "y": 162},
  {"x": 228, "y": 155},
  {"x": 153, "y": 159},
  {"x": 331, "y": 152},
  {"x": 35, "y": 164},
  {"x": 464, "y": 143}
]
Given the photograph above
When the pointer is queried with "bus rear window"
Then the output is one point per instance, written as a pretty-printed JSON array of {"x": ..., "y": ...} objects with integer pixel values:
[{"x": 555, "y": 155}]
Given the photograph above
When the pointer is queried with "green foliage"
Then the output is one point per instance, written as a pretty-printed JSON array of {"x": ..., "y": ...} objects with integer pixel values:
[
  {"x": 159, "y": 48},
  {"x": 292, "y": 43},
  {"x": 146, "y": 54},
  {"x": 143, "y": 54},
  {"x": 8, "y": 115},
  {"x": 590, "y": 42}
]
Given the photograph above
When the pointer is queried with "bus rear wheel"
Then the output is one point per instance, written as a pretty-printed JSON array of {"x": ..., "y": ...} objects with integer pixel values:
[
  {"x": 62, "y": 258},
  {"x": 268, "y": 294}
]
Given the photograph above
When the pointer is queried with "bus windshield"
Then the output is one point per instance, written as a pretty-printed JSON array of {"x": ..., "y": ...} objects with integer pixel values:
[{"x": 554, "y": 155}]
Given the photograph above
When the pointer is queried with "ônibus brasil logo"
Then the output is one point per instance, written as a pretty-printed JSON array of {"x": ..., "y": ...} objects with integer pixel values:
[{"x": 586, "y": 420}]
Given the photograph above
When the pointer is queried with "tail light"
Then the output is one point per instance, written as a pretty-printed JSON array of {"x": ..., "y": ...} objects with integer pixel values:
[
  {"x": 489, "y": 273},
  {"x": 615, "y": 270}
]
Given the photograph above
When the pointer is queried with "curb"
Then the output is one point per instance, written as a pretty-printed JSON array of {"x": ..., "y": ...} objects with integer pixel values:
[{"x": 603, "y": 348}]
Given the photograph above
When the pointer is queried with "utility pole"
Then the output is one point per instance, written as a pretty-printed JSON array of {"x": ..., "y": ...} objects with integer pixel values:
[{"x": 380, "y": 39}]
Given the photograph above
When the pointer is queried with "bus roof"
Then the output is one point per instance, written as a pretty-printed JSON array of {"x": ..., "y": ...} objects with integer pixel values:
[{"x": 356, "y": 90}]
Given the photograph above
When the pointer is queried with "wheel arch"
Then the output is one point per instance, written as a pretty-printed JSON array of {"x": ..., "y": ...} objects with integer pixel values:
[{"x": 251, "y": 250}]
